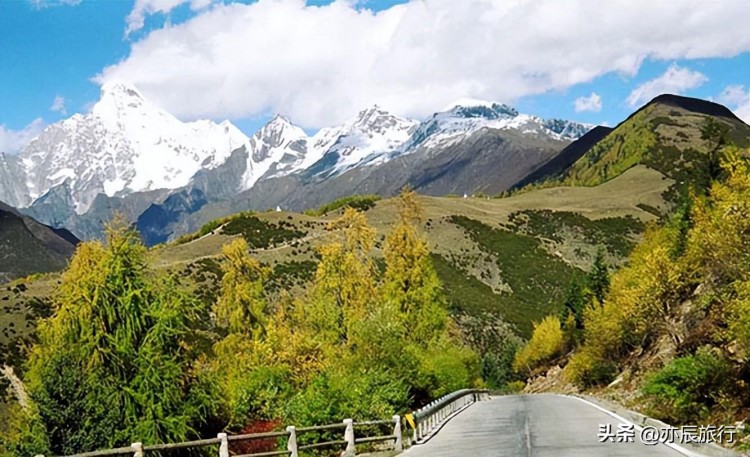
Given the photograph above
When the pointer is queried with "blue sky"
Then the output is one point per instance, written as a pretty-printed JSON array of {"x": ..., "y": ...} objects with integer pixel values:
[{"x": 321, "y": 65}]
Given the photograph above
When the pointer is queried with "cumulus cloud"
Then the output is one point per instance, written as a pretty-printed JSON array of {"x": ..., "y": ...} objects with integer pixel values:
[
  {"x": 737, "y": 99},
  {"x": 676, "y": 80},
  {"x": 143, "y": 8},
  {"x": 11, "y": 141},
  {"x": 321, "y": 64},
  {"x": 58, "y": 105},
  {"x": 591, "y": 103}
]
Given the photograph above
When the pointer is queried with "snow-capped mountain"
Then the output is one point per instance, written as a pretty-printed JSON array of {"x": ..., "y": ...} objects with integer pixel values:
[
  {"x": 278, "y": 148},
  {"x": 467, "y": 116},
  {"x": 124, "y": 145},
  {"x": 374, "y": 134}
]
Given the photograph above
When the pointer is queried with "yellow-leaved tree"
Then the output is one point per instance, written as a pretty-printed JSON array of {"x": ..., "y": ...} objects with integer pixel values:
[
  {"x": 252, "y": 379},
  {"x": 344, "y": 286},
  {"x": 114, "y": 364}
]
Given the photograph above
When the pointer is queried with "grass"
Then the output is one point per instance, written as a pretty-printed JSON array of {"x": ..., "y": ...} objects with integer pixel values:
[
  {"x": 538, "y": 279},
  {"x": 358, "y": 202},
  {"x": 617, "y": 234},
  {"x": 262, "y": 234},
  {"x": 22, "y": 303}
]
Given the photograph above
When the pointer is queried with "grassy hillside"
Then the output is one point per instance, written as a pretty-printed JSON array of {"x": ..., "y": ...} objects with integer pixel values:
[
  {"x": 511, "y": 257},
  {"x": 28, "y": 247},
  {"x": 665, "y": 135}
]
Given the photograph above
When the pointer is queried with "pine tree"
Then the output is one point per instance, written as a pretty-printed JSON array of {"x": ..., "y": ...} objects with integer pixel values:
[
  {"x": 576, "y": 299},
  {"x": 113, "y": 364},
  {"x": 598, "y": 278}
]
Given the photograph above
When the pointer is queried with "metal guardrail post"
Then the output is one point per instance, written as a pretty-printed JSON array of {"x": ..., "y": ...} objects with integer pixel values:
[
  {"x": 224, "y": 446},
  {"x": 291, "y": 444},
  {"x": 137, "y": 449},
  {"x": 398, "y": 446},
  {"x": 351, "y": 450}
]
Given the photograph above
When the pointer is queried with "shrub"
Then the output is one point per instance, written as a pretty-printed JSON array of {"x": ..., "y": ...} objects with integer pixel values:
[
  {"x": 687, "y": 387},
  {"x": 586, "y": 369},
  {"x": 515, "y": 387},
  {"x": 546, "y": 343},
  {"x": 358, "y": 202}
]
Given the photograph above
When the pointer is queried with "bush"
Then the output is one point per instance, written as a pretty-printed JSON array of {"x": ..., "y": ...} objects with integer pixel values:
[
  {"x": 688, "y": 387},
  {"x": 515, "y": 387},
  {"x": 586, "y": 369},
  {"x": 546, "y": 343},
  {"x": 358, "y": 202}
]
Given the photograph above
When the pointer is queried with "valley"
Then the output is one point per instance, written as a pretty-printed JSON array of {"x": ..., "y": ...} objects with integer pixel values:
[{"x": 505, "y": 259}]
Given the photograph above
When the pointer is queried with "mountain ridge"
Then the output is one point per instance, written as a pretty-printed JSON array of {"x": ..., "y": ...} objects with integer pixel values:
[
  {"x": 28, "y": 246},
  {"x": 77, "y": 171}
]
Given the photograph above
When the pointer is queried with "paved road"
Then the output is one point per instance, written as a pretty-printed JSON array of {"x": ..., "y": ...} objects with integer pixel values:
[{"x": 531, "y": 426}]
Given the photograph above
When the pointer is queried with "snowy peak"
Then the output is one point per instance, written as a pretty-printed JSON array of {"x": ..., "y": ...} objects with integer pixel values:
[
  {"x": 279, "y": 131},
  {"x": 467, "y": 116},
  {"x": 377, "y": 121},
  {"x": 492, "y": 112},
  {"x": 125, "y": 144},
  {"x": 117, "y": 99},
  {"x": 473, "y": 108},
  {"x": 373, "y": 136},
  {"x": 120, "y": 91},
  {"x": 277, "y": 149}
]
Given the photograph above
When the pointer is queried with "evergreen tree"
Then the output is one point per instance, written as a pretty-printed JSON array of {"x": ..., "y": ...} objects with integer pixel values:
[
  {"x": 576, "y": 299},
  {"x": 113, "y": 365},
  {"x": 598, "y": 278}
]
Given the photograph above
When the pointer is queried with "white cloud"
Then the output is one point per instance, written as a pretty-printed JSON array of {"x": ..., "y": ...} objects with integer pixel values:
[
  {"x": 676, "y": 80},
  {"x": 737, "y": 99},
  {"x": 58, "y": 105},
  {"x": 320, "y": 65},
  {"x": 591, "y": 103},
  {"x": 11, "y": 141},
  {"x": 143, "y": 8}
]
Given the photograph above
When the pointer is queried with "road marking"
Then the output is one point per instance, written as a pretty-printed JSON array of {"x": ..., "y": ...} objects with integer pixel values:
[
  {"x": 677, "y": 448},
  {"x": 528, "y": 436}
]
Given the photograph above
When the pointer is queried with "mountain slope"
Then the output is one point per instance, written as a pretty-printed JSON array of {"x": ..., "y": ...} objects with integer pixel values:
[
  {"x": 466, "y": 149},
  {"x": 665, "y": 135},
  {"x": 124, "y": 145},
  {"x": 27, "y": 247},
  {"x": 129, "y": 156},
  {"x": 567, "y": 157}
]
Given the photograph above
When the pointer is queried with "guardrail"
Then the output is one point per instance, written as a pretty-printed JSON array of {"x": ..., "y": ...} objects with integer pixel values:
[
  {"x": 348, "y": 444},
  {"x": 426, "y": 421},
  {"x": 430, "y": 418}
]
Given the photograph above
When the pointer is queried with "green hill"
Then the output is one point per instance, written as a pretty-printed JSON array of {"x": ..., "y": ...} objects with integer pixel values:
[
  {"x": 665, "y": 135},
  {"x": 28, "y": 247}
]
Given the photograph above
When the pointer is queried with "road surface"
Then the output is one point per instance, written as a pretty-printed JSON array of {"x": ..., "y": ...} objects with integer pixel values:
[{"x": 532, "y": 426}]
